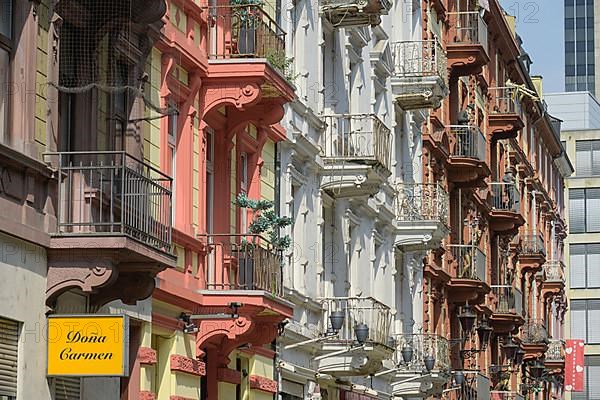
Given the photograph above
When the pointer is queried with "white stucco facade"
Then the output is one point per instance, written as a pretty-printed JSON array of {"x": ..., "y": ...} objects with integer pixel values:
[{"x": 346, "y": 241}]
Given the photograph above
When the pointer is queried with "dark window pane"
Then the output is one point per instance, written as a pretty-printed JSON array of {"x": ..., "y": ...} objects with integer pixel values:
[
  {"x": 569, "y": 23},
  {"x": 580, "y": 45},
  {"x": 569, "y": 47},
  {"x": 570, "y": 70}
]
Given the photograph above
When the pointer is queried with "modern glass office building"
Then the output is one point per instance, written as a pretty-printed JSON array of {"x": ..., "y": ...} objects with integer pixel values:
[{"x": 580, "y": 55}]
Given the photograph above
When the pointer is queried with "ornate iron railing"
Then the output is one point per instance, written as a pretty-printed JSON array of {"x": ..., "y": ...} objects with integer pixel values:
[
  {"x": 556, "y": 350},
  {"x": 423, "y": 345},
  {"x": 241, "y": 262},
  {"x": 420, "y": 58},
  {"x": 107, "y": 193},
  {"x": 244, "y": 31},
  {"x": 422, "y": 202},
  {"x": 532, "y": 243},
  {"x": 510, "y": 299},
  {"x": 534, "y": 331},
  {"x": 468, "y": 142},
  {"x": 358, "y": 310},
  {"x": 505, "y": 196},
  {"x": 357, "y": 137},
  {"x": 468, "y": 27},
  {"x": 470, "y": 260},
  {"x": 554, "y": 271},
  {"x": 505, "y": 100}
]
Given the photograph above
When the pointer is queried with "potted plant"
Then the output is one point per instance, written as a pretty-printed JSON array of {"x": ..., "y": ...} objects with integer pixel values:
[{"x": 246, "y": 18}]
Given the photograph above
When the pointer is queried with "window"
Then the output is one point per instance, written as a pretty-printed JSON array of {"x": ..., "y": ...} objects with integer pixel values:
[
  {"x": 210, "y": 179},
  {"x": 67, "y": 387},
  {"x": 584, "y": 266},
  {"x": 584, "y": 210},
  {"x": 9, "y": 340},
  {"x": 591, "y": 386},
  {"x": 585, "y": 320},
  {"x": 172, "y": 152},
  {"x": 588, "y": 157},
  {"x": 5, "y": 50}
]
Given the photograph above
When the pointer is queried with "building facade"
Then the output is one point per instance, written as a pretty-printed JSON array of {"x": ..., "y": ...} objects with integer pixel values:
[
  {"x": 581, "y": 248},
  {"x": 291, "y": 200},
  {"x": 581, "y": 44}
]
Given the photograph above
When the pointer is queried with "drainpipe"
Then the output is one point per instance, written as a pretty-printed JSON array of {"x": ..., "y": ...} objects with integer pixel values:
[
  {"x": 553, "y": 238},
  {"x": 533, "y": 287}
]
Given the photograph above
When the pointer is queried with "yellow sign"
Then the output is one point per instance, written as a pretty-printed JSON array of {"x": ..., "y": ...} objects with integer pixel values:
[{"x": 88, "y": 345}]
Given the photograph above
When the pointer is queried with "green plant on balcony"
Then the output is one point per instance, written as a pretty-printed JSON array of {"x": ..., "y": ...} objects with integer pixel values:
[
  {"x": 282, "y": 63},
  {"x": 265, "y": 220}
]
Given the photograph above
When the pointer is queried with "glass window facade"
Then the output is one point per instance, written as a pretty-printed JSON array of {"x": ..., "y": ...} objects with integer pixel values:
[{"x": 579, "y": 46}]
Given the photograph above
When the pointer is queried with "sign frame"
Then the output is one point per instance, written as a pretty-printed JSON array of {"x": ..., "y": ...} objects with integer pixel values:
[{"x": 125, "y": 349}]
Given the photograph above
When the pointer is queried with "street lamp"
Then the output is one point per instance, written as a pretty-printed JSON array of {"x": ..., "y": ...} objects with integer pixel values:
[
  {"x": 337, "y": 320},
  {"x": 484, "y": 331},
  {"x": 361, "y": 331},
  {"x": 510, "y": 348},
  {"x": 459, "y": 377},
  {"x": 429, "y": 362},
  {"x": 467, "y": 319}
]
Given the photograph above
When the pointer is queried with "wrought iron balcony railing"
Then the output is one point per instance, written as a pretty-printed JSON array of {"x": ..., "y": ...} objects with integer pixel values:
[
  {"x": 420, "y": 58},
  {"x": 505, "y": 101},
  {"x": 242, "y": 262},
  {"x": 244, "y": 31},
  {"x": 505, "y": 196},
  {"x": 556, "y": 351},
  {"x": 471, "y": 261},
  {"x": 468, "y": 27},
  {"x": 534, "y": 331},
  {"x": 109, "y": 193},
  {"x": 356, "y": 311},
  {"x": 554, "y": 271},
  {"x": 510, "y": 299},
  {"x": 422, "y": 346},
  {"x": 422, "y": 202},
  {"x": 532, "y": 243},
  {"x": 505, "y": 395},
  {"x": 361, "y": 138},
  {"x": 469, "y": 142}
]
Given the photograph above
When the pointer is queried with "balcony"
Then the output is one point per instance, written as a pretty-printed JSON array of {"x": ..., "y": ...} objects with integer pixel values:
[
  {"x": 247, "y": 68},
  {"x": 354, "y": 13},
  {"x": 113, "y": 222},
  {"x": 553, "y": 283},
  {"x": 421, "y": 215},
  {"x": 422, "y": 349},
  {"x": 362, "y": 342},
  {"x": 555, "y": 356},
  {"x": 467, "y": 43},
  {"x": 505, "y": 215},
  {"x": 504, "y": 116},
  {"x": 356, "y": 151},
  {"x": 534, "y": 338},
  {"x": 505, "y": 395},
  {"x": 421, "y": 77},
  {"x": 469, "y": 282},
  {"x": 507, "y": 314},
  {"x": 533, "y": 252},
  {"x": 467, "y": 165}
]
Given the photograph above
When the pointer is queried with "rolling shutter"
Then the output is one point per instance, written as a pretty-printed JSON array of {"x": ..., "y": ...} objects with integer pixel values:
[
  {"x": 577, "y": 266},
  {"x": 583, "y": 161},
  {"x": 9, "y": 352},
  {"x": 593, "y": 321},
  {"x": 592, "y": 210},
  {"x": 593, "y": 265},
  {"x": 576, "y": 210},
  {"x": 67, "y": 388}
]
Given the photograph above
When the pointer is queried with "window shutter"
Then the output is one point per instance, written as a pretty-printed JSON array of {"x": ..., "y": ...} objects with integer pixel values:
[
  {"x": 576, "y": 210},
  {"x": 593, "y": 265},
  {"x": 592, "y": 210},
  {"x": 9, "y": 352},
  {"x": 593, "y": 321},
  {"x": 577, "y": 266},
  {"x": 583, "y": 149},
  {"x": 596, "y": 157},
  {"x": 578, "y": 320},
  {"x": 67, "y": 388}
]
